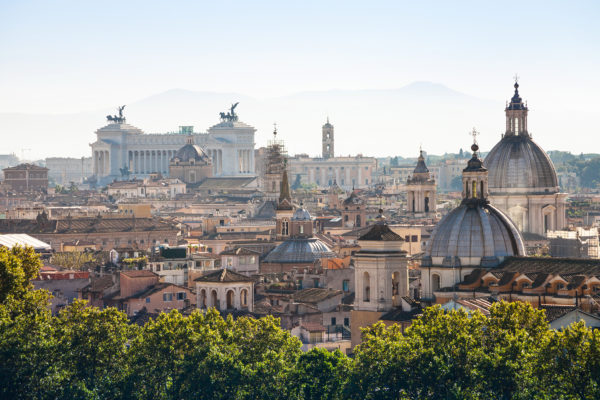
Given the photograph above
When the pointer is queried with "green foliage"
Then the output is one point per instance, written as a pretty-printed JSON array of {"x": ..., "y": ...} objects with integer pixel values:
[
  {"x": 88, "y": 353},
  {"x": 73, "y": 259},
  {"x": 18, "y": 266}
]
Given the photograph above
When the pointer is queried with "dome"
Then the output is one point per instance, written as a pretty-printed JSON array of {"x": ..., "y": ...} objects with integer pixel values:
[
  {"x": 299, "y": 251},
  {"x": 473, "y": 235},
  {"x": 301, "y": 214},
  {"x": 192, "y": 152},
  {"x": 517, "y": 162}
]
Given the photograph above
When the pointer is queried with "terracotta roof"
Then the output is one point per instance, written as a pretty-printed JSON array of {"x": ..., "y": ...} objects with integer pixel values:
[
  {"x": 313, "y": 327},
  {"x": 223, "y": 275}
]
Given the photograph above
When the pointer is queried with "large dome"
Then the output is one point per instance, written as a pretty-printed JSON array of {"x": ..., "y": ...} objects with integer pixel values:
[
  {"x": 299, "y": 251},
  {"x": 192, "y": 152},
  {"x": 518, "y": 164},
  {"x": 473, "y": 235}
]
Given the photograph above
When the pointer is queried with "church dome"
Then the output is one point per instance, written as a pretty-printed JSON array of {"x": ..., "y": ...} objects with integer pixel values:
[
  {"x": 301, "y": 214},
  {"x": 299, "y": 250},
  {"x": 192, "y": 152},
  {"x": 517, "y": 162},
  {"x": 476, "y": 235}
]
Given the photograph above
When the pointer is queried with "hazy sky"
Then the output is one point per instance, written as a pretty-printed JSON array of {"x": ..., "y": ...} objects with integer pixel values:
[{"x": 71, "y": 56}]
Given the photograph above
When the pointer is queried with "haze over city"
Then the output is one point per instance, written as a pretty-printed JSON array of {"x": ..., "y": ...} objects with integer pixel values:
[{"x": 391, "y": 76}]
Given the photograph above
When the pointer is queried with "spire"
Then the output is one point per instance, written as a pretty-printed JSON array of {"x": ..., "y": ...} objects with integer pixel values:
[
  {"x": 421, "y": 168},
  {"x": 516, "y": 114},
  {"x": 285, "y": 200},
  {"x": 475, "y": 177}
]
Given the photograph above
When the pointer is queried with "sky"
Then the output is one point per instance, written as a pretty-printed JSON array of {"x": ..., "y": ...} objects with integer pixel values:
[{"x": 74, "y": 56}]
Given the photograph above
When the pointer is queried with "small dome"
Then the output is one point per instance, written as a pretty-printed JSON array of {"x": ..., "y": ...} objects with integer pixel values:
[
  {"x": 517, "y": 162},
  {"x": 299, "y": 251},
  {"x": 301, "y": 214},
  {"x": 192, "y": 152},
  {"x": 473, "y": 235}
]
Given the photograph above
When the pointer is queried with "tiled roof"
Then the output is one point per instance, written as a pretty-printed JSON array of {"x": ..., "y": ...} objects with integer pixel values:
[
  {"x": 315, "y": 295},
  {"x": 381, "y": 232},
  {"x": 554, "y": 312},
  {"x": 86, "y": 225},
  {"x": 313, "y": 327},
  {"x": 548, "y": 265},
  {"x": 144, "y": 273},
  {"x": 223, "y": 275}
]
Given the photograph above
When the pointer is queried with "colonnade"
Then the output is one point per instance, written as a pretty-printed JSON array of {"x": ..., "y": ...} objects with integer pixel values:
[
  {"x": 149, "y": 161},
  {"x": 245, "y": 161},
  {"x": 101, "y": 162},
  {"x": 217, "y": 160}
]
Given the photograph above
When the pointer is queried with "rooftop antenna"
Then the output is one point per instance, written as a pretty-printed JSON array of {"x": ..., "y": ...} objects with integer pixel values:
[{"x": 274, "y": 129}]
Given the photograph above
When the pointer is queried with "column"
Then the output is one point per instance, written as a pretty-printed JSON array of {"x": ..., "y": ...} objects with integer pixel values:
[{"x": 95, "y": 163}]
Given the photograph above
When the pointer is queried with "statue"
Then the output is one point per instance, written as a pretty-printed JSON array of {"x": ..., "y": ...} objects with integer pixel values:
[
  {"x": 125, "y": 171},
  {"x": 231, "y": 116},
  {"x": 117, "y": 120}
]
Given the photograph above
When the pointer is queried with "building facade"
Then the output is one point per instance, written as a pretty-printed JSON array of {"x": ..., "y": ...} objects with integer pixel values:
[
  {"x": 26, "y": 177},
  {"x": 64, "y": 170},
  {"x": 349, "y": 172},
  {"x": 122, "y": 149}
]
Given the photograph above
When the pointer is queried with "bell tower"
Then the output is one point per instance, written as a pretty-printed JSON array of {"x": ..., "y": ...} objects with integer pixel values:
[
  {"x": 328, "y": 140},
  {"x": 516, "y": 114},
  {"x": 421, "y": 191},
  {"x": 475, "y": 177}
]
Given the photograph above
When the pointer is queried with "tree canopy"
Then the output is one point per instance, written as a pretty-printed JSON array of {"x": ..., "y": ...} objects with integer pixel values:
[{"x": 87, "y": 353}]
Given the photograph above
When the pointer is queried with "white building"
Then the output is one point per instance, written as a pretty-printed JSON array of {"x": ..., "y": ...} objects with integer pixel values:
[
  {"x": 146, "y": 188},
  {"x": 122, "y": 149},
  {"x": 64, "y": 170}
]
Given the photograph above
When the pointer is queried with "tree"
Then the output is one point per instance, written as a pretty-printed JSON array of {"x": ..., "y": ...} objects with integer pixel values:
[
  {"x": 91, "y": 349},
  {"x": 451, "y": 355},
  {"x": 204, "y": 356},
  {"x": 569, "y": 363},
  {"x": 320, "y": 374},
  {"x": 73, "y": 259},
  {"x": 18, "y": 266}
]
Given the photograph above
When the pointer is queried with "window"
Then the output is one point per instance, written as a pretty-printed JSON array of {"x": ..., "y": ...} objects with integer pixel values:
[
  {"x": 345, "y": 285},
  {"x": 181, "y": 296},
  {"x": 346, "y": 321},
  {"x": 147, "y": 299},
  {"x": 333, "y": 321},
  {"x": 316, "y": 282},
  {"x": 414, "y": 238},
  {"x": 366, "y": 181},
  {"x": 167, "y": 296}
]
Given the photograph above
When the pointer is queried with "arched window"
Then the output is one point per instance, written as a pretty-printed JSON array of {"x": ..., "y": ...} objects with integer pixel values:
[
  {"x": 426, "y": 204},
  {"x": 230, "y": 299},
  {"x": 244, "y": 298},
  {"x": 285, "y": 227},
  {"x": 301, "y": 229},
  {"x": 366, "y": 287},
  {"x": 474, "y": 189},
  {"x": 358, "y": 221},
  {"x": 203, "y": 298},
  {"x": 435, "y": 282},
  {"x": 215, "y": 300}
]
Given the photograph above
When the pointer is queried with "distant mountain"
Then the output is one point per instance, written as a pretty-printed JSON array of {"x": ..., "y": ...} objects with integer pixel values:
[{"x": 378, "y": 122}]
